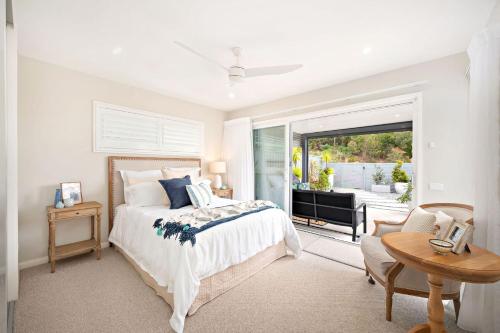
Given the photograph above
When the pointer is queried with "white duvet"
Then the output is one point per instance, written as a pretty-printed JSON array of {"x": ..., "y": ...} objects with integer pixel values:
[{"x": 180, "y": 268}]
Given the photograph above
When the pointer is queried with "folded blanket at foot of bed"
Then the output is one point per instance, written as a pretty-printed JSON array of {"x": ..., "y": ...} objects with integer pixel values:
[{"x": 185, "y": 226}]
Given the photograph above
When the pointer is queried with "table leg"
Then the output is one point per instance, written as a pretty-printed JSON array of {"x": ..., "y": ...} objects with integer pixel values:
[
  {"x": 52, "y": 246},
  {"x": 435, "y": 308},
  {"x": 98, "y": 235},
  {"x": 92, "y": 221}
]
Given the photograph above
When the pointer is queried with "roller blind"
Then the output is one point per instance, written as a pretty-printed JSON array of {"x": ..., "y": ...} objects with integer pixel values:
[{"x": 121, "y": 129}]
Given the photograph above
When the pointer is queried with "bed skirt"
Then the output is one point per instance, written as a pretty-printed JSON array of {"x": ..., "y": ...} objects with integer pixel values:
[{"x": 217, "y": 284}]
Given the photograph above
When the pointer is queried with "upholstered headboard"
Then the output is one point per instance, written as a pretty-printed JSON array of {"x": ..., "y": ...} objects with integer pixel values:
[{"x": 117, "y": 163}]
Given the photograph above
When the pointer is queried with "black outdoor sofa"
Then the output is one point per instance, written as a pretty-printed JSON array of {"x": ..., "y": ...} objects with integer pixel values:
[{"x": 330, "y": 207}]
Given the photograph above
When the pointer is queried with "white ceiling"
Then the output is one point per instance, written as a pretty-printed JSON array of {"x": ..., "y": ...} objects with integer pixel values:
[{"x": 326, "y": 36}]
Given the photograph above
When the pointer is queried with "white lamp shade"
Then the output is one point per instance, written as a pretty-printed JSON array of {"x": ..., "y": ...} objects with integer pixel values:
[{"x": 217, "y": 167}]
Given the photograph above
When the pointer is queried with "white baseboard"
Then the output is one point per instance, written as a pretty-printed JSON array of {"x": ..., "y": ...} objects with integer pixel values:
[{"x": 43, "y": 260}]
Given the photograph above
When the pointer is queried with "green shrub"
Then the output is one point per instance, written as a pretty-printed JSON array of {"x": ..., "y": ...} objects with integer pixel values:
[
  {"x": 297, "y": 172},
  {"x": 296, "y": 155},
  {"x": 329, "y": 171},
  {"x": 378, "y": 176},
  {"x": 323, "y": 183},
  {"x": 406, "y": 197},
  {"x": 398, "y": 174}
]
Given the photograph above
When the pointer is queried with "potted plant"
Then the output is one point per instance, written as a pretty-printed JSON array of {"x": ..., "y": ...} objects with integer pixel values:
[
  {"x": 297, "y": 171},
  {"x": 331, "y": 174},
  {"x": 323, "y": 181},
  {"x": 326, "y": 157},
  {"x": 406, "y": 196},
  {"x": 379, "y": 182},
  {"x": 400, "y": 178}
]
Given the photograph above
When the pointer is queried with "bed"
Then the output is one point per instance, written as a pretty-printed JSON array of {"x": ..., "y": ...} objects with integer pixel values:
[{"x": 188, "y": 276}]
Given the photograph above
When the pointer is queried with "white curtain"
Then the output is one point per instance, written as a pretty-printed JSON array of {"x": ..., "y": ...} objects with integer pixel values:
[
  {"x": 238, "y": 154},
  {"x": 480, "y": 310}
]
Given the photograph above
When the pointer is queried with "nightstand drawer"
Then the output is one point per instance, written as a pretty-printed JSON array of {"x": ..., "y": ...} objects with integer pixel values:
[
  {"x": 223, "y": 193},
  {"x": 76, "y": 213}
]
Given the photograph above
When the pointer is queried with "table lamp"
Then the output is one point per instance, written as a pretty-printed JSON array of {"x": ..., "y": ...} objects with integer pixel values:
[{"x": 217, "y": 167}]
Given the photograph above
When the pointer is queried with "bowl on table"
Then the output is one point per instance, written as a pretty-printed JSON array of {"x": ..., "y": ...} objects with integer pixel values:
[{"x": 440, "y": 246}]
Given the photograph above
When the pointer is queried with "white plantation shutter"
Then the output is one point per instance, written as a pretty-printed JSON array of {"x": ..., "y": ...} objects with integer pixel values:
[
  {"x": 182, "y": 136},
  {"x": 120, "y": 129}
]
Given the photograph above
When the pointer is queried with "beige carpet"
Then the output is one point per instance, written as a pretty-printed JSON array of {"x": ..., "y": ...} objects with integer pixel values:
[{"x": 311, "y": 294}]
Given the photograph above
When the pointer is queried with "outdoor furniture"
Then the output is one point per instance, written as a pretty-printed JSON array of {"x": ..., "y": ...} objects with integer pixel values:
[
  {"x": 329, "y": 207},
  {"x": 394, "y": 275}
]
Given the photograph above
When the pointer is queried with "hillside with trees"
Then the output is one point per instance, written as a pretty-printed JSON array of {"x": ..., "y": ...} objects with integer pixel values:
[{"x": 365, "y": 148}]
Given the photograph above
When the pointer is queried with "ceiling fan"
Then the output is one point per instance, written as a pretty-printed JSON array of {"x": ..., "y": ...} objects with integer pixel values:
[{"x": 237, "y": 72}]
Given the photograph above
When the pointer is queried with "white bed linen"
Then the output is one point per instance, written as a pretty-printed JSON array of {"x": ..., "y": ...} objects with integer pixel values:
[{"x": 180, "y": 268}]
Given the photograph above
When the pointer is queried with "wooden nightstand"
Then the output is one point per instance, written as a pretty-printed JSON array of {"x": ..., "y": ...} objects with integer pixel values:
[
  {"x": 55, "y": 215},
  {"x": 226, "y": 193}
]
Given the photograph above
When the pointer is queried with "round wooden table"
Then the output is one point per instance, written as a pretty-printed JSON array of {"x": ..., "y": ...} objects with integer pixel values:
[{"x": 412, "y": 249}]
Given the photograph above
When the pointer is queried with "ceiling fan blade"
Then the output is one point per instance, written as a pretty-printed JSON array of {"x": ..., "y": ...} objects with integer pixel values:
[
  {"x": 187, "y": 48},
  {"x": 270, "y": 70}
]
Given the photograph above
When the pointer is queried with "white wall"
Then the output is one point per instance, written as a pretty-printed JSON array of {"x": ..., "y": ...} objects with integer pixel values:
[
  {"x": 55, "y": 144},
  {"x": 12, "y": 184},
  {"x": 444, "y": 118},
  {"x": 3, "y": 174}
]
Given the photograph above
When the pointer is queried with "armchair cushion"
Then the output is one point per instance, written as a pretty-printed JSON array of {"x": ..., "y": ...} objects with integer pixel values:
[
  {"x": 443, "y": 221},
  {"x": 376, "y": 257},
  {"x": 385, "y": 227},
  {"x": 419, "y": 221}
]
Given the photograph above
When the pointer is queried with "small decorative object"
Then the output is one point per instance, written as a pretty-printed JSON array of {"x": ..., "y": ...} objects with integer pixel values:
[
  {"x": 69, "y": 202},
  {"x": 73, "y": 191},
  {"x": 57, "y": 197},
  {"x": 217, "y": 167},
  {"x": 459, "y": 233},
  {"x": 440, "y": 246},
  {"x": 223, "y": 187},
  {"x": 59, "y": 204}
]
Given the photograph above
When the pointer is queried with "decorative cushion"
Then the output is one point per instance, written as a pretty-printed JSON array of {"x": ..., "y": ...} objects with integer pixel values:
[
  {"x": 146, "y": 194},
  {"x": 419, "y": 221},
  {"x": 443, "y": 221},
  {"x": 170, "y": 173},
  {"x": 376, "y": 257},
  {"x": 201, "y": 195},
  {"x": 176, "y": 191}
]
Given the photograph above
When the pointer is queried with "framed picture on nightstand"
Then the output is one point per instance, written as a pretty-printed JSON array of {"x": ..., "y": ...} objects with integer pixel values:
[{"x": 72, "y": 190}]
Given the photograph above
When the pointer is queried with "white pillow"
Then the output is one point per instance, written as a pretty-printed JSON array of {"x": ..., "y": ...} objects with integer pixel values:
[
  {"x": 146, "y": 194},
  {"x": 443, "y": 221},
  {"x": 419, "y": 221},
  {"x": 131, "y": 177},
  {"x": 169, "y": 173},
  {"x": 201, "y": 195}
]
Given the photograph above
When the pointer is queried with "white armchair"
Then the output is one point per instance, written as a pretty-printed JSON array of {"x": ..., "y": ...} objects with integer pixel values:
[{"x": 393, "y": 275}]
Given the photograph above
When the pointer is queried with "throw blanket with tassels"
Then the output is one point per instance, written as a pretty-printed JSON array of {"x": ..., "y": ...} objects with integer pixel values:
[{"x": 185, "y": 227}]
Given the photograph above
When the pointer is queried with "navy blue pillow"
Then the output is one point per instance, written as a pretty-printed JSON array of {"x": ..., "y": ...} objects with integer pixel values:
[{"x": 176, "y": 191}]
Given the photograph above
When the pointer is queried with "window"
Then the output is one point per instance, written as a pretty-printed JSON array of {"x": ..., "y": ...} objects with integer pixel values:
[{"x": 123, "y": 130}]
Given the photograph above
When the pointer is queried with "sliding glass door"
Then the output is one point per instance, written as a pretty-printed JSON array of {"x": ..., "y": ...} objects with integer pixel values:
[{"x": 271, "y": 164}]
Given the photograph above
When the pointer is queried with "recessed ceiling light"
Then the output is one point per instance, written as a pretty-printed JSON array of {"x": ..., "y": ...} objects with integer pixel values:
[
  {"x": 117, "y": 50},
  {"x": 397, "y": 115},
  {"x": 231, "y": 95},
  {"x": 367, "y": 50}
]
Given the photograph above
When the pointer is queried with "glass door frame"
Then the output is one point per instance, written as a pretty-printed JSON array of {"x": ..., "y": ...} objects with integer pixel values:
[
  {"x": 414, "y": 98},
  {"x": 286, "y": 173}
]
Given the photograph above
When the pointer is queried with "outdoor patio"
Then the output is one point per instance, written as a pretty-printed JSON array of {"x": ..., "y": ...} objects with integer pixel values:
[{"x": 376, "y": 199}]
